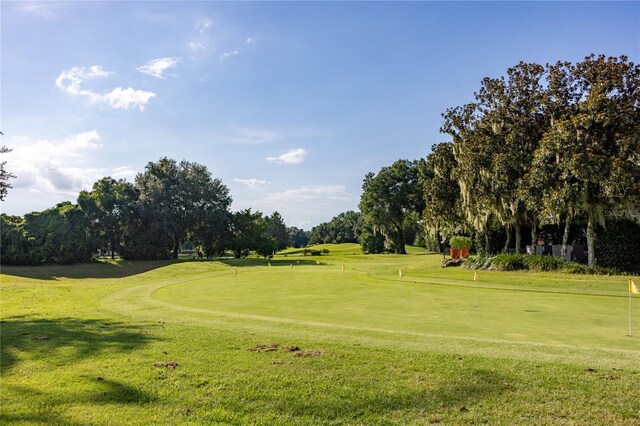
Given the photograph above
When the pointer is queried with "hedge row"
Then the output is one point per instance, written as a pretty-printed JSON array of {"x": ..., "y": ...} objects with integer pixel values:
[{"x": 520, "y": 262}]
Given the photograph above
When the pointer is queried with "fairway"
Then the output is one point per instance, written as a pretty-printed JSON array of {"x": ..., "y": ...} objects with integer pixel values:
[{"x": 373, "y": 346}]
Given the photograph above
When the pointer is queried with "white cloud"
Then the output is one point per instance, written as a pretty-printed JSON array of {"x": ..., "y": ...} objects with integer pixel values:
[
  {"x": 253, "y": 182},
  {"x": 124, "y": 172},
  {"x": 229, "y": 54},
  {"x": 128, "y": 98},
  {"x": 60, "y": 167},
  {"x": 314, "y": 192},
  {"x": 70, "y": 81},
  {"x": 295, "y": 156},
  {"x": 249, "y": 41},
  {"x": 157, "y": 67}
]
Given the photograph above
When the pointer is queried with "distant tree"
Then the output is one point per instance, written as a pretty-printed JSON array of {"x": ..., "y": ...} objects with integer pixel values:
[
  {"x": 212, "y": 236},
  {"x": 276, "y": 230},
  {"x": 297, "y": 237},
  {"x": 4, "y": 175},
  {"x": 15, "y": 246},
  {"x": 177, "y": 200},
  {"x": 247, "y": 234},
  {"x": 343, "y": 228},
  {"x": 320, "y": 234},
  {"x": 59, "y": 235},
  {"x": 442, "y": 215},
  {"x": 372, "y": 242},
  {"x": 107, "y": 207},
  {"x": 388, "y": 196}
]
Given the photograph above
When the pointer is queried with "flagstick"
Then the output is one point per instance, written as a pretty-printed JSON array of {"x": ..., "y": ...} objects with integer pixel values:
[{"x": 475, "y": 289}]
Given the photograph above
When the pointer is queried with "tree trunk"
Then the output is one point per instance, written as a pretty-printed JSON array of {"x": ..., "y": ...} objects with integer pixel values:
[
  {"x": 534, "y": 235},
  {"x": 438, "y": 245},
  {"x": 176, "y": 248},
  {"x": 486, "y": 243},
  {"x": 400, "y": 249},
  {"x": 508, "y": 242},
  {"x": 518, "y": 237},
  {"x": 565, "y": 237},
  {"x": 591, "y": 239}
]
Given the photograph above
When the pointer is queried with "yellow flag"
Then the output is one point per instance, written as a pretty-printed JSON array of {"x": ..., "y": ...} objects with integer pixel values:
[
  {"x": 400, "y": 272},
  {"x": 475, "y": 276},
  {"x": 633, "y": 288},
  {"x": 342, "y": 268}
]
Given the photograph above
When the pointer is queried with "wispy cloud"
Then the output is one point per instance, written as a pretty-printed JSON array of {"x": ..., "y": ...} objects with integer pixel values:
[
  {"x": 249, "y": 136},
  {"x": 295, "y": 156},
  {"x": 307, "y": 193},
  {"x": 47, "y": 10},
  {"x": 201, "y": 42},
  {"x": 70, "y": 82},
  {"x": 229, "y": 54},
  {"x": 252, "y": 183},
  {"x": 59, "y": 166},
  {"x": 157, "y": 67},
  {"x": 203, "y": 25}
]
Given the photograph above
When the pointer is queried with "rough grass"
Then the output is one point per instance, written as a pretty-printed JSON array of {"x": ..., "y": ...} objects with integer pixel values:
[{"x": 166, "y": 343}]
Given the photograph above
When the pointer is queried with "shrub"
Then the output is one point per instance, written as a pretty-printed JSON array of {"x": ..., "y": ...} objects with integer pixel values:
[
  {"x": 458, "y": 242},
  {"x": 515, "y": 262},
  {"x": 543, "y": 263},
  {"x": 509, "y": 262},
  {"x": 477, "y": 262}
]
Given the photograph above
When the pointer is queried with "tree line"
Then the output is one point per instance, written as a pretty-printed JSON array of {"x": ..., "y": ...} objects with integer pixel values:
[
  {"x": 168, "y": 205},
  {"x": 555, "y": 145}
]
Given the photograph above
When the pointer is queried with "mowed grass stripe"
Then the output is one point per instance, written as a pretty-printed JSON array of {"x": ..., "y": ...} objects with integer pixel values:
[
  {"x": 354, "y": 299},
  {"x": 206, "y": 297}
]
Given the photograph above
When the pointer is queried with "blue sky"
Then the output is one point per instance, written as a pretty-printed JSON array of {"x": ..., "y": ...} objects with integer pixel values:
[{"x": 290, "y": 104}]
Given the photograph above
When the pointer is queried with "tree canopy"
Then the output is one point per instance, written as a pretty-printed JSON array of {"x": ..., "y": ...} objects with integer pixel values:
[{"x": 388, "y": 196}]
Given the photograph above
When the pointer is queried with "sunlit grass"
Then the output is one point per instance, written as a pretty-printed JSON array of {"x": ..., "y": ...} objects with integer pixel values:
[{"x": 80, "y": 344}]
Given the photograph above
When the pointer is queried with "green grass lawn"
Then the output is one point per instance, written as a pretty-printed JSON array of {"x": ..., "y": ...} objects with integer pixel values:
[{"x": 89, "y": 344}]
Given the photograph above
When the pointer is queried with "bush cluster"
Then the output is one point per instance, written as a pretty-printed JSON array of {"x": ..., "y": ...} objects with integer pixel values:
[
  {"x": 537, "y": 263},
  {"x": 313, "y": 252}
]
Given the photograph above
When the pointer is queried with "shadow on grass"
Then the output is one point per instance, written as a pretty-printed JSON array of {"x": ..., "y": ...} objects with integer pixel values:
[
  {"x": 98, "y": 269},
  {"x": 457, "y": 395},
  {"x": 99, "y": 392},
  {"x": 76, "y": 338}
]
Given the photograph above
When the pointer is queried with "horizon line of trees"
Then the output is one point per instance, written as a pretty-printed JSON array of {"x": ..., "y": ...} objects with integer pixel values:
[{"x": 169, "y": 205}]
